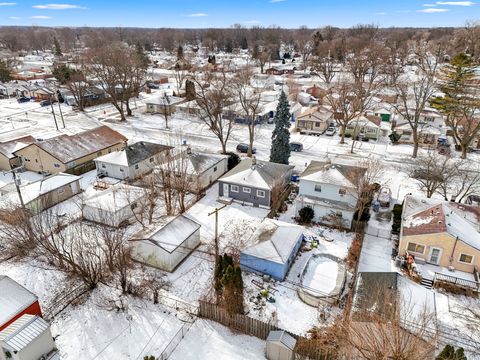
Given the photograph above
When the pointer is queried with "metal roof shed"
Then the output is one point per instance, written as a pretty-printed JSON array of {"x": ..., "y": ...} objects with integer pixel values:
[{"x": 280, "y": 345}]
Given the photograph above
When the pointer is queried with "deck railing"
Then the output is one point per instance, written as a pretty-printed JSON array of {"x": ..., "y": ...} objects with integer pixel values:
[{"x": 457, "y": 281}]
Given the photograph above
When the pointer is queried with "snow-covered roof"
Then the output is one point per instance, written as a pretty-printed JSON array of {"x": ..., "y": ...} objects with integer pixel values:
[
  {"x": 34, "y": 190},
  {"x": 172, "y": 235},
  {"x": 274, "y": 241},
  {"x": 14, "y": 298},
  {"x": 67, "y": 148},
  {"x": 9, "y": 147},
  {"x": 163, "y": 101},
  {"x": 422, "y": 216},
  {"x": 282, "y": 337},
  {"x": 115, "y": 198},
  {"x": 262, "y": 174},
  {"x": 134, "y": 153},
  {"x": 332, "y": 174},
  {"x": 23, "y": 331}
]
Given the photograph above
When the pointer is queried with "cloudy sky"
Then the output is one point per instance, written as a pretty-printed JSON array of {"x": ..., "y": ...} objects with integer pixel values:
[{"x": 224, "y": 13}]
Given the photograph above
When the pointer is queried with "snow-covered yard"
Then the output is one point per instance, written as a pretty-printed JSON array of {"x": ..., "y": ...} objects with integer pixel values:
[{"x": 208, "y": 340}]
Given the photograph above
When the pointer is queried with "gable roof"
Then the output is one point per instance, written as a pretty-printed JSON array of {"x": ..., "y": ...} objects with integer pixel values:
[
  {"x": 67, "y": 148},
  {"x": 7, "y": 148},
  {"x": 423, "y": 217},
  {"x": 133, "y": 154},
  {"x": 173, "y": 234},
  {"x": 282, "y": 337},
  {"x": 261, "y": 174},
  {"x": 201, "y": 162},
  {"x": 14, "y": 298},
  {"x": 333, "y": 174},
  {"x": 274, "y": 241}
]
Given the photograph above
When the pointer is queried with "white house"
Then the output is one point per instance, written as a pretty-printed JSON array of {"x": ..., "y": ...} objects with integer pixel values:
[
  {"x": 202, "y": 169},
  {"x": 133, "y": 161},
  {"x": 329, "y": 189},
  {"x": 114, "y": 205},
  {"x": 166, "y": 248},
  {"x": 27, "y": 338},
  {"x": 163, "y": 104}
]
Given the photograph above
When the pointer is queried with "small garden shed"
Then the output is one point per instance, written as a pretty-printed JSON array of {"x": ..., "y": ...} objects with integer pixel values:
[{"x": 280, "y": 345}]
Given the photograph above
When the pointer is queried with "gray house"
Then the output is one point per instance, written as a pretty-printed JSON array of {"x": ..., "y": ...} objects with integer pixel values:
[
  {"x": 255, "y": 182},
  {"x": 133, "y": 161}
]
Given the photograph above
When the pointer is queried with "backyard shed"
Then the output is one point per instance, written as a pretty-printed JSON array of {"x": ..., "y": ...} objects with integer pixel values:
[
  {"x": 167, "y": 247},
  {"x": 114, "y": 205},
  {"x": 280, "y": 345},
  {"x": 275, "y": 246}
]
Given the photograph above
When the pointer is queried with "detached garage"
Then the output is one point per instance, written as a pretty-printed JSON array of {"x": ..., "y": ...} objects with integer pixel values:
[
  {"x": 276, "y": 244},
  {"x": 166, "y": 248}
]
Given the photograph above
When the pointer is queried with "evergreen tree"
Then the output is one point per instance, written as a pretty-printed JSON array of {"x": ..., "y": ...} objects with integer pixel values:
[
  {"x": 449, "y": 353},
  {"x": 63, "y": 73},
  {"x": 229, "y": 46},
  {"x": 280, "y": 150},
  {"x": 4, "y": 72},
  {"x": 58, "y": 49},
  {"x": 190, "y": 90},
  {"x": 180, "y": 52},
  {"x": 244, "y": 43},
  {"x": 459, "y": 103}
]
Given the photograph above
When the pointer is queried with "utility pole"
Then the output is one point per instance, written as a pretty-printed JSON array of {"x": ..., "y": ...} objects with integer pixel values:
[
  {"x": 216, "y": 249},
  {"x": 61, "y": 114},
  {"x": 216, "y": 228},
  {"x": 53, "y": 113},
  {"x": 17, "y": 185}
]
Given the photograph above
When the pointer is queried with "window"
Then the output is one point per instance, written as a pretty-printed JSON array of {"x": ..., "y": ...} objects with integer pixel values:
[
  {"x": 56, "y": 165},
  {"x": 465, "y": 258},
  {"x": 430, "y": 119},
  {"x": 214, "y": 169},
  {"x": 318, "y": 188},
  {"x": 339, "y": 214},
  {"x": 36, "y": 160},
  {"x": 342, "y": 191},
  {"x": 246, "y": 190},
  {"x": 317, "y": 124},
  {"x": 121, "y": 169},
  {"x": 151, "y": 159},
  {"x": 416, "y": 248},
  {"x": 136, "y": 167},
  {"x": 234, "y": 188},
  {"x": 103, "y": 166},
  {"x": 61, "y": 191},
  {"x": 261, "y": 193}
]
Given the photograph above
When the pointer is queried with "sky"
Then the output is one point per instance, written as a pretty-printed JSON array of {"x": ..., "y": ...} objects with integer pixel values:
[{"x": 224, "y": 13}]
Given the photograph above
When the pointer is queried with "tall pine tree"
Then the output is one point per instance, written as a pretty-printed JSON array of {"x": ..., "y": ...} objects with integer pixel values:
[
  {"x": 56, "y": 45},
  {"x": 4, "y": 72},
  {"x": 280, "y": 150}
]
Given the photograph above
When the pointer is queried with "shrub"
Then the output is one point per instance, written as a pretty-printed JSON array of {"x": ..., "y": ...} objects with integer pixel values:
[
  {"x": 306, "y": 215},
  {"x": 233, "y": 160},
  {"x": 449, "y": 353}
]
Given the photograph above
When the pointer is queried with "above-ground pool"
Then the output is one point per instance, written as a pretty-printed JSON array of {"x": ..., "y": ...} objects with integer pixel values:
[{"x": 322, "y": 279}]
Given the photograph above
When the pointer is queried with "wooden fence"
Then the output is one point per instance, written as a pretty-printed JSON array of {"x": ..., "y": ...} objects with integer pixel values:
[{"x": 261, "y": 329}]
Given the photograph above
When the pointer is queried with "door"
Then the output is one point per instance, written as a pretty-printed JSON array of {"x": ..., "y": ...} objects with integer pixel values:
[
  {"x": 434, "y": 257},
  {"x": 225, "y": 190}
]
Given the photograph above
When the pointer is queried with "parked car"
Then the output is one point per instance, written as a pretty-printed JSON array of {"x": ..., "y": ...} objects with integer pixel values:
[
  {"x": 243, "y": 148},
  {"x": 331, "y": 131},
  {"x": 152, "y": 85},
  {"x": 45, "y": 103},
  {"x": 23, "y": 99},
  {"x": 296, "y": 146}
]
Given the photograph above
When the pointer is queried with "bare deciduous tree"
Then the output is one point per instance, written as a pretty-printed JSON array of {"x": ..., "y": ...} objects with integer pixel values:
[{"x": 215, "y": 95}]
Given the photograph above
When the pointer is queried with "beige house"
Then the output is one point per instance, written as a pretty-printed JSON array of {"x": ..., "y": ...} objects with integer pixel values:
[
  {"x": 314, "y": 121},
  {"x": 441, "y": 233},
  {"x": 71, "y": 154},
  {"x": 8, "y": 160}
]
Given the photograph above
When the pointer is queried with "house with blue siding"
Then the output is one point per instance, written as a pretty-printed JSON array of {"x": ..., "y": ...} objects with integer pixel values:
[{"x": 275, "y": 245}]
